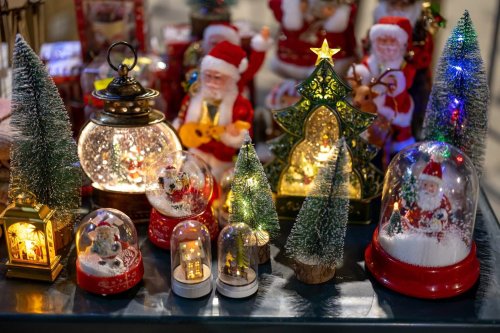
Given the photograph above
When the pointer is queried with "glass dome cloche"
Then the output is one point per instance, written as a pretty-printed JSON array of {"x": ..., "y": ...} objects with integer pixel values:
[
  {"x": 108, "y": 257},
  {"x": 115, "y": 144},
  {"x": 237, "y": 261},
  {"x": 191, "y": 260},
  {"x": 180, "y": 187},
  {"x": 423, "y": 246}
]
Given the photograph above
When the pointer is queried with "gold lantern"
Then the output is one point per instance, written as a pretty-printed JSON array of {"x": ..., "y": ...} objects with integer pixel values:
[{"x": 30, "y": 239}]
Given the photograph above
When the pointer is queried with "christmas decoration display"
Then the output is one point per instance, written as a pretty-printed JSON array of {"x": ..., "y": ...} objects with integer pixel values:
[
  {"x": 237, "y": 261},
  {"x": 425, "y": 21},
  {"x": 205, "y": 12},
  {"x": 114, "y": 146},
  {"x": 390, "y": 39},
  {"x": 457, "y": 112},
  {"x": 179, "y": 187},
  {"x": 316, "y": 242},
  {"x": 311, "y": 127},
  {"x": 43, "y": 155},
  {"x": 304, "y": 24},
  {"x": 252, "y": 201},
  {"x": 191, "y": 260},
  {"x": 29, "y": 234},
  {"x": 423, "y": 246},
  {"x": 213, "y": 121},
  {"x": 108, "y": 257}
]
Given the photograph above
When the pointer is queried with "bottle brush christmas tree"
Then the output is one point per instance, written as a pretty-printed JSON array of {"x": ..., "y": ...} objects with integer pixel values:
[
  {"x": 311, "y": 128},
  {"x": 316, "y": 241},
  {"x": 44, "y": 158},
  {"x": 458, "y": 104},
  {"x": 252, "y": 201}
]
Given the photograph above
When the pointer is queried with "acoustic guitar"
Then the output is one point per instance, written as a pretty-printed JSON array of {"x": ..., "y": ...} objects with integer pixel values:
[{"x": 194, "y": 135}]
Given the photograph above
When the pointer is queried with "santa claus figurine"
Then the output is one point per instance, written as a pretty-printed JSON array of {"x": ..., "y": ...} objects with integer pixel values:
[
  {"x": 214, "y": 120},
  {"x": 223, "y": 31},
  {"x": 305, "y": 24},
  {"x": 390, "y": 38},
  {"x": 431, "y": 211}
]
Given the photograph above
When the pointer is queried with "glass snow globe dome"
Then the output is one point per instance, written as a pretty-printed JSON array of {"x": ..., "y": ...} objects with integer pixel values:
[
  {"x": 191, "y": 259},
  {"x": 107, "y": 248},
  {"x": 179, "y": 184},
  {"x": 115, "y": 144},
  {"x": 237, "y": 261},
  {"x": 423, "y": 246}
]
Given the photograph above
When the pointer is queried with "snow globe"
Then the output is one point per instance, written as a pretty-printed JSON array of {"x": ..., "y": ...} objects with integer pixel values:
[
  {"x": 423, "y": 246},
  {"x": 179, "y": 186},
  {"x": 237, "y": 261},
  {"x": 191, "y": 260},
  {"x": 108, "y": 256}
]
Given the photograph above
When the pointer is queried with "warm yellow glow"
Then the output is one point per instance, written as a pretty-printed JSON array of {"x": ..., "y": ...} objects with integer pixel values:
[
  {"x": 324, "y": 52},
  {"x": 191, "y": 255},
  {"x": 396, "y": 206},
  {"x": 27, "y": 243}
]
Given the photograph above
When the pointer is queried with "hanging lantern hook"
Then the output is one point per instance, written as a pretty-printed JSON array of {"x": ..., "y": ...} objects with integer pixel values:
[{"x": 122, "y": 68}]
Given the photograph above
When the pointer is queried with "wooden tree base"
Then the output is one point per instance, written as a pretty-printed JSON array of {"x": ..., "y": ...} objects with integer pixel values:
[
  {"x": 313, "y": 274},
  {"x": 264, "y": 252}
]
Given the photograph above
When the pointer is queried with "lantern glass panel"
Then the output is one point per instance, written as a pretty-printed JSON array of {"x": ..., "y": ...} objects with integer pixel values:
[
  {"x": 28, "y": 244},
  {"x": 114, "y": 157}
]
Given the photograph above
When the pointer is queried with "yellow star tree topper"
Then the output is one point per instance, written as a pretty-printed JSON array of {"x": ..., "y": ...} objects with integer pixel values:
[{"x": 324, "y": 52}]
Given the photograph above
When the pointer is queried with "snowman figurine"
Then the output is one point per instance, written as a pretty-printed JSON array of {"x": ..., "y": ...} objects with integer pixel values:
[{"x": 106, "y": 244}]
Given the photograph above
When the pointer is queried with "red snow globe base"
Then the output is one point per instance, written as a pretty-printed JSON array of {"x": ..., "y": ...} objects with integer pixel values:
[
  {"x": 417, "y": 281},
  {"x": 111, "y": 285},
  {"x": 161, "y": 226}
]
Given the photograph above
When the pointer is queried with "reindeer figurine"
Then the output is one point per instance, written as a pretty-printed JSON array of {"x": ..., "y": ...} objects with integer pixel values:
[{"x": 367, "y": 98}]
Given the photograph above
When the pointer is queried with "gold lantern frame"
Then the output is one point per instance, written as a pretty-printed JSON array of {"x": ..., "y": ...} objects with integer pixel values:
[{"x": 29, "y": 235}]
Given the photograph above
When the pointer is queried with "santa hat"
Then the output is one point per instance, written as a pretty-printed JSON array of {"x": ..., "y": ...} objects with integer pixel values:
[
  {"x": 229, "y": 31},
  {"x": 226, "y": 58},
  {"x": 394, "y": 26},
  {"x": 432, "y": 172}
]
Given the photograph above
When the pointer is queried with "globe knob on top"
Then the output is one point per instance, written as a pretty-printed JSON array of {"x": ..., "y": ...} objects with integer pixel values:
[{"x": 115, "y": 144}]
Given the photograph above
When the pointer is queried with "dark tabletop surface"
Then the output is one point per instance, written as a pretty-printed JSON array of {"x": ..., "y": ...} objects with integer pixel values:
[{"x": 353, "y": 301}]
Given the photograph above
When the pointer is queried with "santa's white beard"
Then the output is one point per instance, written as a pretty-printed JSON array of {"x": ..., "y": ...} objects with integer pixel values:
[
  {"x": 388, "y": 56},
  {"x": 412, "y": 12},
  {"x": 429, "y": 202},
  {"x": 211, "y": 94}
]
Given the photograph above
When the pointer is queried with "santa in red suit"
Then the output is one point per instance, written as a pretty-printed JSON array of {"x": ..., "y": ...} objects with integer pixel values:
[
  {"x": 218, "y": 103},
  {"x": 305, "y": 24},
  {"x": 431, "y": 212},
  {"x": 390, "y": 38}
]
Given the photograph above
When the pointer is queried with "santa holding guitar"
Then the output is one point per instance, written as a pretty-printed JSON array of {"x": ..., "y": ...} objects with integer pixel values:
[{"x": 212, "y": 121}]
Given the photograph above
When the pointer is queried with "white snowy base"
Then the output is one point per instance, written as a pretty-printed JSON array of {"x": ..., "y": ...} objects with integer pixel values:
[
  {"x": 163, "y": 206},
  {"x": 237, "y": 291},
  {"x": 193, "y": 288},
  {"x": 89, "y": 263},
  {"x": 422, "y": 250}
]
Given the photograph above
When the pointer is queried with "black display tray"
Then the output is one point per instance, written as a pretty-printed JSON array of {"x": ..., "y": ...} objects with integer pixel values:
[{"x": 351, "y": 302}]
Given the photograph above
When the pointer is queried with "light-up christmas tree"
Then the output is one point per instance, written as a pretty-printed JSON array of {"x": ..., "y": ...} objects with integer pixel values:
[
  {"x": 317, "y": 237},
  {"x": 252, "y": 201},
  {"x": 311, "y": 128},
  {"x": 458, "y": 105},
  {"x": 44, "y": 158}
]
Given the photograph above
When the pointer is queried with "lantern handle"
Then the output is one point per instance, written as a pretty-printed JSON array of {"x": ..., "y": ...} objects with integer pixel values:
[{"x": 122, "y": 69}]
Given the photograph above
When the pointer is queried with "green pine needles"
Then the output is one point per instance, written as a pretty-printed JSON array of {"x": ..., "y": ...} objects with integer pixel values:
[
  {"x": 252, "y": 201},
  {"x": 395, "y": 226},
  {"x": 44, "y": 158},
  {"x": 458, "y": 104},
  {"x": 319, "y": 231}
]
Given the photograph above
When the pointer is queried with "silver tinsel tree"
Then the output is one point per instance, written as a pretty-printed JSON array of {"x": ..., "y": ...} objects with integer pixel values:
[
  {"x": 319, "y": 231},
  {"x": 252, "y": 201},
  {"x": 44, "y": 158},
  {"x": 458, "y": 104}
]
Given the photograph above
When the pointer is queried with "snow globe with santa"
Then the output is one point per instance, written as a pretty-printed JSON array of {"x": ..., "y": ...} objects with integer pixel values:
[
  {"x": 423, "y": 246},
  {"x": 191, "y": 260},
  {"x": 108, "y": 257},
  {"x": 180, "y": 187}
]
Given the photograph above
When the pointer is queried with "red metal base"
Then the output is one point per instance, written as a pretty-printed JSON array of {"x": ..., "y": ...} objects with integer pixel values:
[
  {"x": 421, "y": 282},
  {"x": 161, "y": 226},
  {"x": 110, "y": 285}
]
